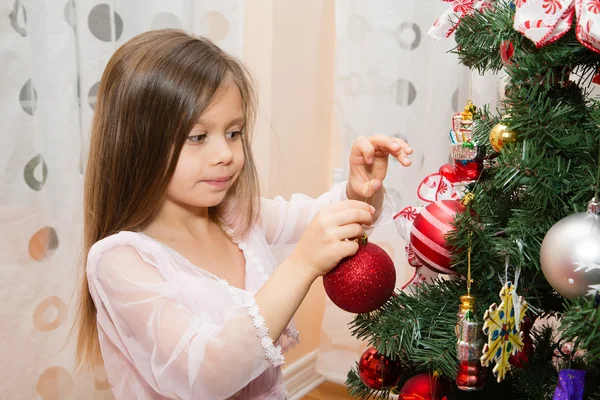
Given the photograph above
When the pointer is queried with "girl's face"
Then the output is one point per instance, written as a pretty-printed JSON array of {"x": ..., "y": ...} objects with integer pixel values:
[{"x": 213, "y": 156}]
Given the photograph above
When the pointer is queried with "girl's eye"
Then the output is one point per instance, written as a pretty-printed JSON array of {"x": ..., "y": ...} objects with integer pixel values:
[
  {"x": 234, "y": 135},
  {"x": 197, "y": 138}
]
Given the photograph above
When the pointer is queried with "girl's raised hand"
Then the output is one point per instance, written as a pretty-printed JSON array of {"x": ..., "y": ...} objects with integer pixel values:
[{"x": 369, "y": 162}]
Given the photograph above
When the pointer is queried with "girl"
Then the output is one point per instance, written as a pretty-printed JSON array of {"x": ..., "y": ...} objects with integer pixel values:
[{"x": 181, "y": 297}]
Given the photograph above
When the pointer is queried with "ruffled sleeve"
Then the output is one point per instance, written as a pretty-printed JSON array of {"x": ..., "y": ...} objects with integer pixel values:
[
  {"x": 182, "y": 347},
  {"x": 284, "y": 222}
]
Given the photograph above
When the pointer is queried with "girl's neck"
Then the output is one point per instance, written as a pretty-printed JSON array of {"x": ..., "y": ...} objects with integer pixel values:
[{"x": 177, "y": 220}]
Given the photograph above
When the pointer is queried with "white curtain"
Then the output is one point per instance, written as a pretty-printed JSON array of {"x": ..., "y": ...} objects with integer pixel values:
[
  {"x": 53, "y": 54},
  {"x": 392, "y": 78}
]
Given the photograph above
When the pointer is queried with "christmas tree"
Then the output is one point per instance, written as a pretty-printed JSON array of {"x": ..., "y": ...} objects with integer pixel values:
[{"x": 540, "y": 165}]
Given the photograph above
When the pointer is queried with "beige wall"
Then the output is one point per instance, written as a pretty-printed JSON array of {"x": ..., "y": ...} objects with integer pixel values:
[{"x": 289, "y": 46}]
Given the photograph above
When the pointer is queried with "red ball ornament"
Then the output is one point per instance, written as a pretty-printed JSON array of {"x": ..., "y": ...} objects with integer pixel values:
[
  {"x": 425, "y": 387},
  {"x": 427, "y": 235},
  {"x": 378, "y": 371},
  {"x": 363, "y": 282}
]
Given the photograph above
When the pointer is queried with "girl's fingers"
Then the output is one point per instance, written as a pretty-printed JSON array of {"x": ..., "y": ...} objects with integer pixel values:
[{"x": 363, "y": 149}]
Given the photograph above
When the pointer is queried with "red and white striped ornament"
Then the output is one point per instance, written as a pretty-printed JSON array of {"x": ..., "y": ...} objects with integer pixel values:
[{"x": 428, "y": 232}]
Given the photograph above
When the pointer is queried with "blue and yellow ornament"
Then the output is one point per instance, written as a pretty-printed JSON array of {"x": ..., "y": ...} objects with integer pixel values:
[{"x": 502, "y": 326}]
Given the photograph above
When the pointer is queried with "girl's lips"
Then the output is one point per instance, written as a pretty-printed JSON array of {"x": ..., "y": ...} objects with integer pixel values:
[{"x": 218, "y": 182}]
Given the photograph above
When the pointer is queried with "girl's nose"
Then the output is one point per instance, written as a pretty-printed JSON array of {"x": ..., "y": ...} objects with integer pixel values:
[{"x": 221, "y": 152}]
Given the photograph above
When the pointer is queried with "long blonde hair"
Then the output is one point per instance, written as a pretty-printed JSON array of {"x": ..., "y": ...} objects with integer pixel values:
[{"x": 152, "y": 92}]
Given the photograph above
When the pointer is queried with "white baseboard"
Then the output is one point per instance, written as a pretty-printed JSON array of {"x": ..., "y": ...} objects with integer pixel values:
[
  {"x": 301, "y": 377},
  {"x": 334, "y": 378}
]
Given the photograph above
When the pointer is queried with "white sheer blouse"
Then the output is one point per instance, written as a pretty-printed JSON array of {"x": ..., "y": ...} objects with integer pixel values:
[{"x": 169, "y": 329}]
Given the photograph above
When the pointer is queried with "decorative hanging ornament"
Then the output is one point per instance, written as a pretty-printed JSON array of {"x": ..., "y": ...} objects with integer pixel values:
[
  {"x": 570, "y": 253},
  {"x": 571, "y": 385},
  {"x": 520, "y": 359},
  {"x": 467, "y": 159},
  {"x": 501, "y": 135},
  {"x": 378, "y": 371},
  {"x": 501, "y": 325},
  {"x": 433, "y": 188},
  {"x": 470, "y": 375},
  {"x": 429, "y": 231},
  {"x": 363, "y": 282}
]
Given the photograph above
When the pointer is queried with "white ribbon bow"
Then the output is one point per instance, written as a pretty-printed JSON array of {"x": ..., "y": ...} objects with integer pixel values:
[
  {"x": 445, "y": 25},
  {"x": 545, "y": 21}
]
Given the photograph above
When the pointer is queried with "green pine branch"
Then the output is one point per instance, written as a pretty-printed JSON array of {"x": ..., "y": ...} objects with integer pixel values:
[{"x": 550, "y": 172}]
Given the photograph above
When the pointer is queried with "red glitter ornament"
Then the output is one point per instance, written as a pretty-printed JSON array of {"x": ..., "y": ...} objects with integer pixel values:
[
  {"x": 378, "y": 371},
  {"x": 428, "y": 234},
  {"x": 363, "y": 282},
  {"x": 425, "y": 387}
]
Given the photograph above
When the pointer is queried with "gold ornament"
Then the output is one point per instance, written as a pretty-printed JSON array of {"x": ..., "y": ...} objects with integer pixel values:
[
  {"x": 466, "y": 123},
  {"x": 500, "y": 135},
  {"x": 469, "y": 111}
]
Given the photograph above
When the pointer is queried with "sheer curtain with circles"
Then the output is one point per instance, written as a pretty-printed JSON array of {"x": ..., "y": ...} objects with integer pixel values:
[
  {"x": 53, "y": 54},
  {"x": 392, "y": 78}
]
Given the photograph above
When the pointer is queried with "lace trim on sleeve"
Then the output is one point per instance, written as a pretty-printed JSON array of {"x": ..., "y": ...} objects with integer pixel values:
[
  {"x": 292, "y": 334},
  {"x": 272, "y": 353},
  {"x": 253, "y": 258}
]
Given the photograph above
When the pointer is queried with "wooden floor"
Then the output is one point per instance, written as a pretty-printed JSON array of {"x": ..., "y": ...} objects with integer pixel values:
[{"x": 328, "y": 391}]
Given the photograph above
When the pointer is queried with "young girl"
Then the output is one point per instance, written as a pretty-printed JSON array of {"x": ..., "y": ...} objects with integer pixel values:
[{"x": 181, "y": 297}]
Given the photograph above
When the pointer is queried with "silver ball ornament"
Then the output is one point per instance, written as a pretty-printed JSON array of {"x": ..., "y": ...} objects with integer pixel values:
[{"x": 570, "y": 254}]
